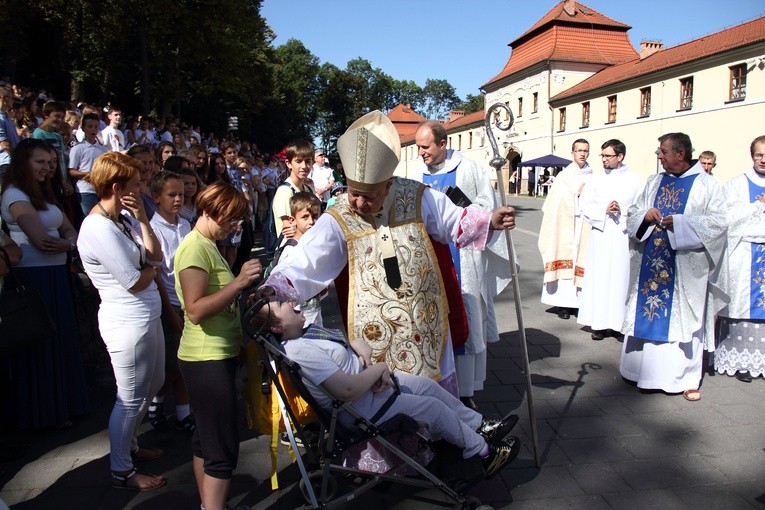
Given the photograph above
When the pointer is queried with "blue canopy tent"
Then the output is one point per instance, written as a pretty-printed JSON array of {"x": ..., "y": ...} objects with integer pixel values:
[{"x": 551, "y": 160}]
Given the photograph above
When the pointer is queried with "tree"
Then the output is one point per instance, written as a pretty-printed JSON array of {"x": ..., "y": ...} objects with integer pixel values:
[
  {"x": 473, "y": 103},
  {"x": 408, "y": 92},
  {"x": 440, "y": 98}
]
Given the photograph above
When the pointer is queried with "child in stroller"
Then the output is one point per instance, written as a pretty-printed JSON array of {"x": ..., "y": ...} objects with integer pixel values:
[{"x": 347, "y": 373}]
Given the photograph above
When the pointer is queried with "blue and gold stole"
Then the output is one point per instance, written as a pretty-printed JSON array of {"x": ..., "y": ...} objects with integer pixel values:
[
  {"x": 757, "y": 274},
  {"x": 657, "y": 271}
]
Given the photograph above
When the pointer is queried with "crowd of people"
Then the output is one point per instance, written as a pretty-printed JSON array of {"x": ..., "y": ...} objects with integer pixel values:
[
  {"x": 672, "y": 267},
  {"x": 161, "y": 220}
]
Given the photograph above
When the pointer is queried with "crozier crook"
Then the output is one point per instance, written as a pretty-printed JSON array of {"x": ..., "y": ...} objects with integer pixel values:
[{"x": 497, "y": 162}]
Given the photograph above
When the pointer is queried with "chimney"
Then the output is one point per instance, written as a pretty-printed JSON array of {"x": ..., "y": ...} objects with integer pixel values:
[
  {"x": 648, "y": 48},
  {"x": 454, "y": 115},
  {"x": 569, "y": 6}
]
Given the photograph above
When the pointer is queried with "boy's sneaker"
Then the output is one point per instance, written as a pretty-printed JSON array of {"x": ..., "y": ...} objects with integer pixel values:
[
  {"x": 188, "y": 424},
  {"x": 494, "y": 431},
  {"x": 501, "y": 454},
  {"x": 284, "y": 439},
  {"x": 157, "y": 416}
]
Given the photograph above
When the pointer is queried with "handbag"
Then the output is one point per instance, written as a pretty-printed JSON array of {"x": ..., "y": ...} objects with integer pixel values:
[{"x": 24, "y": 317}]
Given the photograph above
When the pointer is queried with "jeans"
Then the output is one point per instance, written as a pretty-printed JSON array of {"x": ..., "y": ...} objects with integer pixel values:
[
  {"x": 137, "y": 352},
  {"x": 87, "y": 202}
]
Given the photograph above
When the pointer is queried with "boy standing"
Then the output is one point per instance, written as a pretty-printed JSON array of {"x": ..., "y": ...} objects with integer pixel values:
[
  {"x": 347, "y": 373},
  {"x": 299, "y": 155},
  {"x": 305, "y": 209},
  {"x": 113, "y": 138},
  {"x": 53, "y": 116},
  {"x": 167, "y": 190},
  {"x": 81, "y": 159}
]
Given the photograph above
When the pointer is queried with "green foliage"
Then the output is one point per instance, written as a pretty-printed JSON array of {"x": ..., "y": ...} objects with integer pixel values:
[
  {"x": 440, "y": 99},
  {"x": 473, "y": 103},
  {"x": 202, "y": 60}
]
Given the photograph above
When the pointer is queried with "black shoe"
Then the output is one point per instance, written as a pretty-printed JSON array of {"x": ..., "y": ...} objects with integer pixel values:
[
  {"x": 188, "y": 424},
  {"x": 564, "y": 314},
  {"x": 494, "y": 431},
  {"x": 157, "y": 416},
  {"x": 744, "y": 376},
  {"x": 598, "y": 335},
  {"x": 500, "y": 455},
  {"x": 469, "y": 403}
]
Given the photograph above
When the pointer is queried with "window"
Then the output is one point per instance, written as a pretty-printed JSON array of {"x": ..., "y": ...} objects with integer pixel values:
[
  {"x": 535, "y": 102},
  {"x": 450, "y": 142},
  {"x": 686, "y": 93},
  {"x": 562, "y": 119},
  {"x": 470, "y": 140},
  {"x": 738, "y": 82},
  {"x": 459, "y": 142},
  {"x": 611, "y": 109},
  {"x": 645, "y": 102},
  {"x": 520, "y": 107},
  {"x": 585, "y": 114}
]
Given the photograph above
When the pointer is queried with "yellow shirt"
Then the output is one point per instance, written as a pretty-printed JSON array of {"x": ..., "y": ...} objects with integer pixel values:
[{"x": 217, "y": 337}]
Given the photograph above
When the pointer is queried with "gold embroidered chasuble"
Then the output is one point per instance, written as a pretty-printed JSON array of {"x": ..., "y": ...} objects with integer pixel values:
[{"x": 406, "y": 327}]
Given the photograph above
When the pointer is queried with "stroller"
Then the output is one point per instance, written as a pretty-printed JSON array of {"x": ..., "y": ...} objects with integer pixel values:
[{"x": 400, "y": 437}]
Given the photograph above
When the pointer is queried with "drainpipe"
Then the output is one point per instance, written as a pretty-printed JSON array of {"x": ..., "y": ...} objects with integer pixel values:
[{"x": 552, "y": 112}]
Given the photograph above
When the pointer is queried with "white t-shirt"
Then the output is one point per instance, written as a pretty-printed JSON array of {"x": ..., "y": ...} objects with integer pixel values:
[
  {"x": 51, "y": 220},
  {"x": 169, "y": 236},
  {"x": 81, "y": 158},
  {"x": 320, "y": 360},
  {"x": 113, "y": 139},
  {"x": 112, "y": 259},
  {"x": 321, "y": 177}
]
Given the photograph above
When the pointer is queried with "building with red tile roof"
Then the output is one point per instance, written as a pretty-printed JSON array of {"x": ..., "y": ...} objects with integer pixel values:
[
  {"x": 575, "y": 74},
  {"x": 570, "y": 32},
  {"x": 405, "y": 120}
]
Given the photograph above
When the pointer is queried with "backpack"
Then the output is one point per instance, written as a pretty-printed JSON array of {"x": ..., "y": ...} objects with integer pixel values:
[{"x": 277, "y": 255}]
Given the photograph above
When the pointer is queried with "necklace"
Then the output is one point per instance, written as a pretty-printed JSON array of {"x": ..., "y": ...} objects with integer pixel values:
[{"x": 125, "y": 229}]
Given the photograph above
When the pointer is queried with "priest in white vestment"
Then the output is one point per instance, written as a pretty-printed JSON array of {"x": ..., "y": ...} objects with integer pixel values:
[
  {"x": 381, "y": 230},
  {"x": 482, "y": 274},
  {"x": 740, "y": 349},
  {"x": 562, "y": 240},
  {"x": 604, "y": 203},
  {"x": 677, "y": 234}
]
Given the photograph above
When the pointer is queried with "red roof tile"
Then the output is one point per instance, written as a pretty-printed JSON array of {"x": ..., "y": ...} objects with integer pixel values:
[
  {"x": 735, "y": 37},
  {"x": 587, "y": 37},
  {"x": 405, "y": 120},
  {"x": 461, "y": 122},
  {"x": 405, "y": 113}
]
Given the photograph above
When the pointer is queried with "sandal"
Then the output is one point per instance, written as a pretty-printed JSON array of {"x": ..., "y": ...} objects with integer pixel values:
[
  {"x": 123, "y": 481},
  {"x": 692, "y": 395},
  {"x": 146, "y": 454}
]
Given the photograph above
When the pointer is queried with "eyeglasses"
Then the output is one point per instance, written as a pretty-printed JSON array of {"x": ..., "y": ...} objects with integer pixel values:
[
  {"x": 759, "y": 156},
  {"x": 608, "y": 156}
]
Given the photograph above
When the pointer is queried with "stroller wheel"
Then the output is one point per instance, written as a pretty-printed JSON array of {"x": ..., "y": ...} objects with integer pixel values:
[{"x": 315, "y": 480}]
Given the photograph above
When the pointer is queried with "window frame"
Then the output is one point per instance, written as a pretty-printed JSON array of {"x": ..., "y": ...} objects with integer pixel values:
[
  {"x": 737, "y": 91},
  {"x": 645, "y": 102},
  {"x": 686, "y": 93},
  {"x": 586, "y": 114},
  {"x": 611, "y": 109}
]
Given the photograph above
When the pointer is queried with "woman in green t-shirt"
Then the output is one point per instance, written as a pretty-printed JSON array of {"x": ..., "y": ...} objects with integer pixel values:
[{"x": 212, "y": 338}]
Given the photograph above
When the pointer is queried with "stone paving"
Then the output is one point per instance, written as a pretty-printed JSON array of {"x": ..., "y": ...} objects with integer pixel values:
[{"x": 603, "y": 443}]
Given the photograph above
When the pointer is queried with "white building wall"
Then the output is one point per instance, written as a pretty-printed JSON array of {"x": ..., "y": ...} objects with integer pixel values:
[{"x": 713, "y": 123}]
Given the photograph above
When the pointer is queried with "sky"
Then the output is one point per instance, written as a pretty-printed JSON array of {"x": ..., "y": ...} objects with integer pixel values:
[{"x": 466, "y": 42}]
